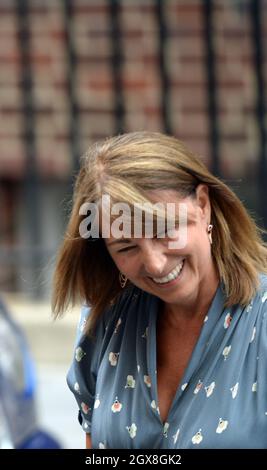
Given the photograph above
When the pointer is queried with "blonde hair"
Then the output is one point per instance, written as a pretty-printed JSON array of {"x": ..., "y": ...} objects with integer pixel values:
[{"x": 125, "y": 167}]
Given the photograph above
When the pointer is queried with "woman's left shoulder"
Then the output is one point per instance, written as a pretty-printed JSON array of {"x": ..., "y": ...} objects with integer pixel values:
[
  {"x": 262, "y": 291},
  {"x": 263, "y": 280},
  {"x": 258, "y": 305}
]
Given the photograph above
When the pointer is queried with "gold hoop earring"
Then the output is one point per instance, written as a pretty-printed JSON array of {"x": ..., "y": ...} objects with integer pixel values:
[
  {"x": 123, "y": 280},
  {"x": 209, "y": 230}
]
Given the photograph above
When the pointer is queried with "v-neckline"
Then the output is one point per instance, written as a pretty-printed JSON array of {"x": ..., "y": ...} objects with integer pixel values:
[{"x": 197, "y": 353}]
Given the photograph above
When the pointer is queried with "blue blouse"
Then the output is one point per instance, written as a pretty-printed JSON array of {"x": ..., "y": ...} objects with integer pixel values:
[{"x": 221, "y": 401}]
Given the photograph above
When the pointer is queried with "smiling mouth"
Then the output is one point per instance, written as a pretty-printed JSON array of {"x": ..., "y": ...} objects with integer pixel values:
[{"x": 174, "y": 274}]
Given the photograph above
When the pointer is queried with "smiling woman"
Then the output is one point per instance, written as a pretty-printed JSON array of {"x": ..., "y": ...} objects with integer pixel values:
[{"x": 173, "y": 320}]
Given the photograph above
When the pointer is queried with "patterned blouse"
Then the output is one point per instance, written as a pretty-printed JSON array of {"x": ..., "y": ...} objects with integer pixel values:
[{"x": 221, "y": 402}]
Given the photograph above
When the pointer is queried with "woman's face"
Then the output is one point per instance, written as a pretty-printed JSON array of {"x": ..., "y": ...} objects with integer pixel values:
[{"x": 177, "y": 276}]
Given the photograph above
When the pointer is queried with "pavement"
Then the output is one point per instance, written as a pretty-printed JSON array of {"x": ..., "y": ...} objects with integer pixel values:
[{"x": 51, "y": 344}]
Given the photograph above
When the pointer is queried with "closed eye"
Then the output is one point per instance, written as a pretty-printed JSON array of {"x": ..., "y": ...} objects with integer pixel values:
[
  {"x": 128, "y": 248},
  {"x": 161, "y": 235}
]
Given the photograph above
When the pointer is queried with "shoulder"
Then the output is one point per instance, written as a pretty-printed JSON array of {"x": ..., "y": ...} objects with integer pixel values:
[
  {"x": 107, "y": 321},
  {"x": 263, "y": 286},
  {"x": 120, "y": 308},
  {"x": 257, "y": 308},
  {"x": 259, "y": 302},
  {"x": 90, "y": 347}
]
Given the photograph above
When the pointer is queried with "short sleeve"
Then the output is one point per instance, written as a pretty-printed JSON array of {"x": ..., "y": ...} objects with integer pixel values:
[{"x": 82, "y": 374}]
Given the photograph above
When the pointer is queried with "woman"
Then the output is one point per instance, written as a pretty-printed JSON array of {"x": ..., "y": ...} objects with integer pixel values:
[{"x": 173, "y": 353}]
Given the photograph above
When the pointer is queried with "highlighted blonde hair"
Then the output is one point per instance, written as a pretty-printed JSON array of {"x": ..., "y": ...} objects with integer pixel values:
[{"x": 125, "y": 167}]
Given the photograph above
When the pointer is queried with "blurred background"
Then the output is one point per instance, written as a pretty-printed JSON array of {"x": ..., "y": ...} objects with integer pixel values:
[{"x": 74, "y": 71}]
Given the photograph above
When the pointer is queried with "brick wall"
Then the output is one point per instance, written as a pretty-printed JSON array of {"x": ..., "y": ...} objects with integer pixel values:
[{"x": 140, "y": 75}]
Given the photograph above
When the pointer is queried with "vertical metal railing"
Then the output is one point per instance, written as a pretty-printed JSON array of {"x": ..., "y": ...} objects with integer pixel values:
[
  {"x": 163, "y": 69},
  {"x": 212, "y": 89},
  {"x": 258, "y": 58},
  {"x": 31, "y": 180},
  {"x": 117, "y": 65}
]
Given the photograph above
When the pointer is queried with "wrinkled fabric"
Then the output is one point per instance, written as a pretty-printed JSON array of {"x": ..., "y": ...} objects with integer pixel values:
[{"x": 221, "y": 401}]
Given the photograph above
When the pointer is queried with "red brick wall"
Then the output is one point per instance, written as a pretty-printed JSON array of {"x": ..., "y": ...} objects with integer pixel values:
[{"x": 185, "y": 52}]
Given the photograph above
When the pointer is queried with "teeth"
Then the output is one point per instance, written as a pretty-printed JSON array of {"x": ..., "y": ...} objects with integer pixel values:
[{"x": 172, "y": 275}]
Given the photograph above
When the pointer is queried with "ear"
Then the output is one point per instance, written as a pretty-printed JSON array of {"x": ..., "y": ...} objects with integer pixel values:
[{"x": 203, "y": 201}]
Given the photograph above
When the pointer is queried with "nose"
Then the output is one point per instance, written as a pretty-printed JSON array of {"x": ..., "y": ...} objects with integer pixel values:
[{"x": 153, "y": 258}]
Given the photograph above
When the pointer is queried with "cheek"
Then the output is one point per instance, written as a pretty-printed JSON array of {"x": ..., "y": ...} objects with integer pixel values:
[
  {"x": 203, "y": 252},
  {"x": 128, "y": 266},
  {"x": 197, "y": 250},
  {"x": 120, "y": 261}
]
